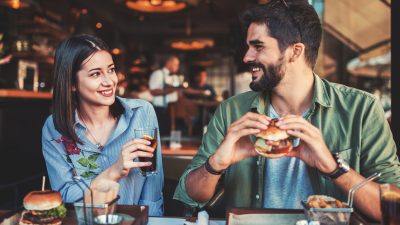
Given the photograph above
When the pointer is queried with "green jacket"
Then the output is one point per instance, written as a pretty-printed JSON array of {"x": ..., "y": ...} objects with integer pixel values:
[{"x": 352, "y": 123}]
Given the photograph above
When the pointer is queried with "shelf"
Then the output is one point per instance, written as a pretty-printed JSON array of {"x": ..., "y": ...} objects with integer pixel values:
[{"x": 12, "y": 93}]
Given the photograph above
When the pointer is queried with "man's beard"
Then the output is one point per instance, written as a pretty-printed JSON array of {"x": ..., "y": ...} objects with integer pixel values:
[{"x": 271, "y": 77}]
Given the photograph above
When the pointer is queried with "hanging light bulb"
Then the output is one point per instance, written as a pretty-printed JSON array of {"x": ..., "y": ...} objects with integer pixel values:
[
  {"x": 156, "y": 2},
  {"x": 156, "y": 6}
]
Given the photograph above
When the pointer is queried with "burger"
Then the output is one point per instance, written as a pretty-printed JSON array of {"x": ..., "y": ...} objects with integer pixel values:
[
  {"x": 43, "y": 207},
  {"x": 273, "y": 142}
]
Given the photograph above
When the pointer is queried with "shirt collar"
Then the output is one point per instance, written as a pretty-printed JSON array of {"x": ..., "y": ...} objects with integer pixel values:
[
  {"x": 321, "y": 95},
  {"x": 165, "y": 70},
  {"x": 261, "y": 103}
]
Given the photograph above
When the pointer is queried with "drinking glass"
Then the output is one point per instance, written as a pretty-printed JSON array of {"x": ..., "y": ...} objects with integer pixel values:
[
  {"x": 390, "y": 204},
  {"x": 149, "y": 134}
]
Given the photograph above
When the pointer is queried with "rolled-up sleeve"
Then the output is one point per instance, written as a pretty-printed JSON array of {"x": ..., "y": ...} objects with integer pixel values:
[{"x": 60, "y": 172}]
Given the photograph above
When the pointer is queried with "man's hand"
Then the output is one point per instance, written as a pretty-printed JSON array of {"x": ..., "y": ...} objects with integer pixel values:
[
  {"x": 312, "y": 149},
  {"x": 237, "y": 145},
  {"x": 200, "y": 184}
]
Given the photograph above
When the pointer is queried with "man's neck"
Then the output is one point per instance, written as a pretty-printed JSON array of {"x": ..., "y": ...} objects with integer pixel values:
[{"x": 294, "y": 94}]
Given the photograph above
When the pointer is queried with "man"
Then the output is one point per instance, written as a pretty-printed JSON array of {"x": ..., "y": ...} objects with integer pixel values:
[
  {"x": 160, "y": 87},
  {"x": 283, "y": 38},
  {"x": 200, "y": 89}
]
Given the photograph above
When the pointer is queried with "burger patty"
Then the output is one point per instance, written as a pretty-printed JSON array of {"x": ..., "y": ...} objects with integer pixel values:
[
  {"x": 274, "y": 146},
  {"x": 279, "y": 144},
  {"x": 38, "y": 219}
]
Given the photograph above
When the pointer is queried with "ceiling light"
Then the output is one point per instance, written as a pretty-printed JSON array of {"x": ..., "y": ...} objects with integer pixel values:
[
  {"x": 191, "y": 43},
  {"x": 14, "y": 4},
  {"x": 156, "y": 6}
]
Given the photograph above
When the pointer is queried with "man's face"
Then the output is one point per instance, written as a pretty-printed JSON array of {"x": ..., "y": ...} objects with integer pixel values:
[
  {"x": 266, "y": 62},
  {"x": 202, "y": 78},
  {"x": 173, "y": 65}
]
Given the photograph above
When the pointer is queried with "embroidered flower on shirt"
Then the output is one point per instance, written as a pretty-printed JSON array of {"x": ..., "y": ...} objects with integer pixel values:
[
  {"x": 70, "y": 145},
  {"x": 88, "y": 162}
]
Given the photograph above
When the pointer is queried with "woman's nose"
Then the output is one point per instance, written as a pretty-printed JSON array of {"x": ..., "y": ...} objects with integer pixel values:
[{"x": 106, "y": 80}]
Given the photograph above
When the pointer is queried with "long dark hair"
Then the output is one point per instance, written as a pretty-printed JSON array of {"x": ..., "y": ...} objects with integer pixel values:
[
  {"x": 298, "y": 22},
  {"x": 67, "y": 62}
]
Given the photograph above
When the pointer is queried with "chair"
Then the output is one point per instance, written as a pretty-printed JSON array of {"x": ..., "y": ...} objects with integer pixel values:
[{"x": 183, "y": 109}]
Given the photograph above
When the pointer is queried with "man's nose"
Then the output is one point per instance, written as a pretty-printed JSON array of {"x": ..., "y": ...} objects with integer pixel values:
[{"x": 249, "y": 56}]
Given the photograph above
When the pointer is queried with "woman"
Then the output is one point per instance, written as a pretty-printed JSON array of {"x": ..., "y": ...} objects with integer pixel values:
[{"x": 91, "y": 132}]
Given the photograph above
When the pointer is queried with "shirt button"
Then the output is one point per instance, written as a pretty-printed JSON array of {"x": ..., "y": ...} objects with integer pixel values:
[{"x": 257, "y": 197}]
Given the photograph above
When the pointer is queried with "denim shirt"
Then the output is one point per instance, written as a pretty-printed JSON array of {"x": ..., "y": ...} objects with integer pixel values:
[
  {"x": 65, "y": 159},
  {"x": 351, "y": 121}
]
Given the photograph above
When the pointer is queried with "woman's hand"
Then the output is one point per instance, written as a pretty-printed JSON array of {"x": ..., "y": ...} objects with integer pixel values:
[{"x": 130, "y": 151}]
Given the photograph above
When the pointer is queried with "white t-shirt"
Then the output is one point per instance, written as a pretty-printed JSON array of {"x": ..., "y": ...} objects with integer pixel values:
[{"x": 157, "y": 79}]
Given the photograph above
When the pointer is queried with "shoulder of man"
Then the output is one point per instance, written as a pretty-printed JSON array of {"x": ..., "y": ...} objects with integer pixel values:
[{"x": 348, "y": 92}]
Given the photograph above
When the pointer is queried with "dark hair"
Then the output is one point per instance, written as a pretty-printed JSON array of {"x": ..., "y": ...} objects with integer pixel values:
[
  {"x": 70, "y": 55},
  {"x": 298, "y": 22}
]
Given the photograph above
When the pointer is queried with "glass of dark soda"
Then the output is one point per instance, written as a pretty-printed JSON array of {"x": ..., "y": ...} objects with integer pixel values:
[
  {"x": 149, "y": 134},
  {"x": 390, "y": 204}
]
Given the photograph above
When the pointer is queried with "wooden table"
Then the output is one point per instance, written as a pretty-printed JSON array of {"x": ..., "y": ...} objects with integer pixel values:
[
  {"x": 12, "y": 93},
  {"x": 186, "y": 150},
  {"x": 355, "y": 218},
  {"x": 140, "y": 213}
]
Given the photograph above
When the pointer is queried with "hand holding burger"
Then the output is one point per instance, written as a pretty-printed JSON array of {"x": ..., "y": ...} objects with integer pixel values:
[
  {"x": 43, "y": 207},
  {"x": 273, "y": 142}
]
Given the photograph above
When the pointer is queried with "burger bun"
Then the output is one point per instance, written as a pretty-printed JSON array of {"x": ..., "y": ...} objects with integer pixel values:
[{"x": 42, "y": 200}]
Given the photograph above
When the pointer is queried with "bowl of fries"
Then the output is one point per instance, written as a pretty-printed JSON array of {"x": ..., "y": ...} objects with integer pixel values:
[{"x": 327, "y": 210}]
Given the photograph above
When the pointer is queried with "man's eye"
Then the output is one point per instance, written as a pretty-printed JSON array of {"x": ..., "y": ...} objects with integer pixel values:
[{"x": 258, "y": 47}]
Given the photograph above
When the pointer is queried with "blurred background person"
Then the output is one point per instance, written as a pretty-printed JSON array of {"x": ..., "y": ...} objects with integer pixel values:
[
  {"x": 200, "y": 90},
  {"x": 161, "y": 88}
]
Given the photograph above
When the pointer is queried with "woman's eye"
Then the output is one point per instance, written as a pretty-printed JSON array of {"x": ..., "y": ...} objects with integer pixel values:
[
  {"x": 111, "y": 70},
  {"x": 95, "y": 74}
]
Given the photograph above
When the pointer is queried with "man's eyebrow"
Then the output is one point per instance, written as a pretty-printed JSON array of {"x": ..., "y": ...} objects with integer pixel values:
[{"x": 255, "y": 42}]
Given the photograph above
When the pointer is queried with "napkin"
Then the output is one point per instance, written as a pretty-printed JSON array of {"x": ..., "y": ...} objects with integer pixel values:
[
  {"x": 202, "y": 219},
  {"x": 264, "y": 219}
]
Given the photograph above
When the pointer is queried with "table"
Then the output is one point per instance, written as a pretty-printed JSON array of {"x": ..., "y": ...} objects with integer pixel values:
[
  {"x": 355, "y": 219},
  {"x": 177, "y": 221},
  {"x": 205, "y": 106},
  {"x": 186, "y": 150}
]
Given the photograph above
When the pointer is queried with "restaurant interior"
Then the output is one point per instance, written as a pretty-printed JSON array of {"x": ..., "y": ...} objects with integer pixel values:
[{"x": 355, "y": 51}]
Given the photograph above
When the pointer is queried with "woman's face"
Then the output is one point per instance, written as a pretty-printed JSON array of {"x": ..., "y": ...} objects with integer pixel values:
[{"x": 97, "y": 80}]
